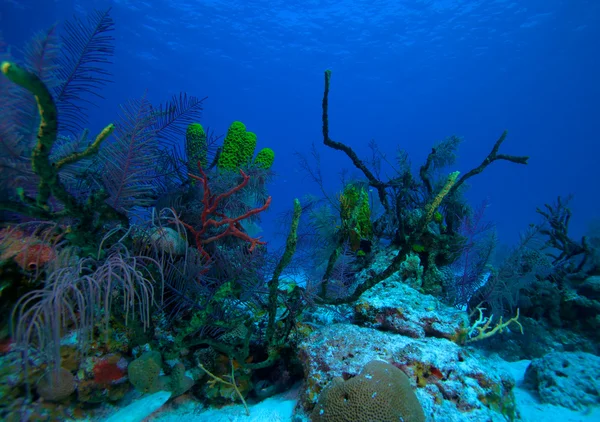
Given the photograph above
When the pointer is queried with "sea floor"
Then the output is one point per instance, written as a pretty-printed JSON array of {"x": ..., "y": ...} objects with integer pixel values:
[{"x": 280, "y": 408}]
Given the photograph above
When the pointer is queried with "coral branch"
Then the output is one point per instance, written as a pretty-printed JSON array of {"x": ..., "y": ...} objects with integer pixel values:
[
  {"x": 286, "y": 258},
  {"x": 210, "y": 204},
  {"x": 47, "y": 171},
  {"x": 437, "y": 200},
  {"x": 90, "y": 150},
  {"x": 557, "y": 218},
  {"x": 492, "y": 156},
  {"x": 482, "y": 328},
  {"x": 358, "y": 163},
  {"x": 232, "y": 383}
]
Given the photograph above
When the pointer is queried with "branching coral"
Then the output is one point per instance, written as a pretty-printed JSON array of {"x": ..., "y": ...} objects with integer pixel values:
[
  {"x": 556, "y": 228},
  {"x": 483, "y": 327},
  {"x": 212, "y": 218},
  {"x": 215, "y": 379}
]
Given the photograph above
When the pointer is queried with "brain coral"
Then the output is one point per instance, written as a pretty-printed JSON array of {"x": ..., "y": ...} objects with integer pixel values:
[
  {"x": 381, "y": 392},
  {"x": 56, "y": 385}
]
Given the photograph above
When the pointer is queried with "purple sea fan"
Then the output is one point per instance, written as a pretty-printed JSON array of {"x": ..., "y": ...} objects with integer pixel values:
[
  {"x": 478, "y": 242},
  {"x": 341, "y": 283},
  {"x": 128, "y": 160}
]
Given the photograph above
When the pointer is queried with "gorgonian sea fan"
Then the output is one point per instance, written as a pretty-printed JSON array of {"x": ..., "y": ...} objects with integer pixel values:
[
  {"x": 87, "y": 47},
  {"x": 129, "y": 162},
  {"x": 476, "y": 250},
  {"x": 129, "y": 159}
]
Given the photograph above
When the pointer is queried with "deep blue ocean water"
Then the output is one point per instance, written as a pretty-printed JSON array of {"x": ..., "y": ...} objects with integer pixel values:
[{"x": 406, "y": 73}]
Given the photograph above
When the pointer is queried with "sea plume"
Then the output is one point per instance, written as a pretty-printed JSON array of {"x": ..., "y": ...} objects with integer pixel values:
[
  {"x": 87, "y": 47},
  {"x": 78, "y": 296},
  {"x": 144, "y": 137},
  {"x": 128, "y": 160}
]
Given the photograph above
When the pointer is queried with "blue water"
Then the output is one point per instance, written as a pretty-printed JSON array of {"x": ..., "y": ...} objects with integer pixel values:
[{"x": 405, "y": 73}]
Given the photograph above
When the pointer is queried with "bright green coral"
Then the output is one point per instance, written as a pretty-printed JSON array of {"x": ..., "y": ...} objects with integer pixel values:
[
  {"x": 230, "y": 158},
  {"x": 264, "y": 159},
  {"x": 246, "y": 148},
  {"x": 196, "y": 148},
  {"x": 238, "y": 150}
]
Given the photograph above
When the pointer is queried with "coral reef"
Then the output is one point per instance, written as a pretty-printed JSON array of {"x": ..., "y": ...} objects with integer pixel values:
[{"x": 133, "y": 275}]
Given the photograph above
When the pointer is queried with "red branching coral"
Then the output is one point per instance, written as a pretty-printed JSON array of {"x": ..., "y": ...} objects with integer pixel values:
[{"x": 210, "y": 218}]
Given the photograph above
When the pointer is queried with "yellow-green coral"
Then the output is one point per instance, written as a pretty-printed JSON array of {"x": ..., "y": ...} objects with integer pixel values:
[
  {"x": 433, "y": 206},
  {"x": 238, "y": 150},
  {"x": 246, "y": 148},
  {"x": 230, "y": 155},
  {"x": 238, "y": 147},
  {"x": 196, "y": 148},
  {"x": 264, "y": 159}
]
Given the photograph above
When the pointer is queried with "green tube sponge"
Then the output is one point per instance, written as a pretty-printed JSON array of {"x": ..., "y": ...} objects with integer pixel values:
[
  {"x": 196, "y": 148},
  {"x": 246, "y": 148},
  {"x": 264, "y": 159},
  {"x": 230, "y": 154}
]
